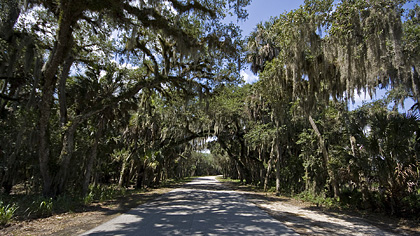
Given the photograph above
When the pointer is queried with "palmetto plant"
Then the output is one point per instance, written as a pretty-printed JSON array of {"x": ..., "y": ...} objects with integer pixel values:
[{"x": 6, "y": 213}]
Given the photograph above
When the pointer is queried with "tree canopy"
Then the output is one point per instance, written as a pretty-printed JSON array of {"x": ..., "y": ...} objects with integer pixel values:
[{"x": 130, "y": 92}]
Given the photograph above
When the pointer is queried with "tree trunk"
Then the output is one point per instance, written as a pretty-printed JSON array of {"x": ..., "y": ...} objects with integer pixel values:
[
  {"x": 61, "y": 48},
  {"x": 68, "y": 138},
  {"x": 326, "y": 158},
  {"x": 415, "y": 83},
  {"x": 278, "y": 177},
  {"x": 123, "y": 172},
  {"x": 62, "y": 98},
  {"x": 278, "y": 165},
  {"x": 131, "y": 173},
  {"x": 91, "y": 159},
  {"x": 242, "y": 170},
  {"x": 306, "y": 178},
  {"x": 261, "y": 168},
  {"x": 158, "y": 174},
  {"x": 239, "y": 171},
  {"x": 10, "y": 18},
  {"x": 65, "y": 156},
  {"x": 269, "y": 167},
  {"x": 140, "y": 173},
  {"x": 3, "y": 91},
  {"x": 9, "y": 172},
  {"x": 44, "y": 137}
]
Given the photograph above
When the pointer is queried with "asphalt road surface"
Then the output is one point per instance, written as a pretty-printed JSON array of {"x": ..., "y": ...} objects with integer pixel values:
[{"x": 201, "y": 207}]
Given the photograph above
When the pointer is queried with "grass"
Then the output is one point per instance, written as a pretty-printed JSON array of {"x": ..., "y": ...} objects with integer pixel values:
[
  {"x": 236, "y": 184},
  {"x": 176, "y": 182},
  {"x": 229, "y": 180}
]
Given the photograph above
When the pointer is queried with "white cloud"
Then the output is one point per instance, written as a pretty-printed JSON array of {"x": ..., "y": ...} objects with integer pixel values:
[
  {"x": 248, "y": 76},
  {"x": 359, "y": 98}
]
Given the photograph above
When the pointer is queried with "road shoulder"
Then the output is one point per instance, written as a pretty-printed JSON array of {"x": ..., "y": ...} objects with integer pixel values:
[
  {"x": 307, "y": 219},
  {"x": 74, "y": 223}
]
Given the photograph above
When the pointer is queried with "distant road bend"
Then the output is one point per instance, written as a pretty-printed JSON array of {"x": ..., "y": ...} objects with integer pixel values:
[{"x": 201, "y": 207}]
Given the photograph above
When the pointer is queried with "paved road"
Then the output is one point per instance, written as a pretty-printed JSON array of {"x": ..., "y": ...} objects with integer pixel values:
[{"x": 201, "y": 207}]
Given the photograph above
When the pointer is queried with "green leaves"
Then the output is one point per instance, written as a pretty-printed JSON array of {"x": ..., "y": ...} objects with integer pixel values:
[
  {"x": 324, "y": 50},
  {"x": 6, "y": 213}
]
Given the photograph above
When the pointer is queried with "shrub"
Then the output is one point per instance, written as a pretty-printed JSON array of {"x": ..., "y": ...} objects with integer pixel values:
[
  {"x": 66, "y": 203},
  {"x": 6, "y": 213},
  {"x": 88, "y": 199},
  {"x": 319, "y": 200},
  {"x": 103, "y": 193},
  {"x": 40, "y": 207}
]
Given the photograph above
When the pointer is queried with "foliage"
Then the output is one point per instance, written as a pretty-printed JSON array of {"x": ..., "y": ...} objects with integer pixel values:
[
  {"x": 69, "y": 66},
  {"x": 311, "y": 61},
  {"x": 6, "y": 213},
  {"x": 98, "y": 97},
  {"x": 103, "y": 193},
  {"x": 324, "y": 50},
  {"x": 27, "y": 207},
  {"x": 41, "y": 207},
  {"x": 318, "y": 200}
]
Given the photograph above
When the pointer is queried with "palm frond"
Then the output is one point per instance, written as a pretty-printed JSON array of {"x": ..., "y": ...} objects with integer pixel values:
[{"x": 415, "y": 111}]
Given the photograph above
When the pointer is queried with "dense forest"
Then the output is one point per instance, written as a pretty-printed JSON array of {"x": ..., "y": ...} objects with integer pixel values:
[{"x": 129, "y": 93}]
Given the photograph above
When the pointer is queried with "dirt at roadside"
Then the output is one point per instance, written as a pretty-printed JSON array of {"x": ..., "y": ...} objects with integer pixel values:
[
  {"x": 306, "y": 219},
  {"x": 302, "y": 217},
  {"x": 75, "y": 223}
]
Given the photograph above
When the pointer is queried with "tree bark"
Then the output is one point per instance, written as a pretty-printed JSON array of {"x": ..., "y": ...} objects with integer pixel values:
[
  {"x": 65, "y": 157},
  {"x": 9, "y": 173},
  {"x": 269, "y": 167},
  {"x": 10, "y": 19},
  {"x": 92, "y": 158},
  {"x": 140, "y": 173},
  {"x": 306, "y": 178},
  {"x": 278, "y": 165},
  {"x": 242, "y": 170},
  {"x": 123, "y": 173},
  {"x": 326, "y": 158},
  {"x": 69, "y": 16},
  {"x": 158, "y": 174},
  {"x": 62, "y": 98}
]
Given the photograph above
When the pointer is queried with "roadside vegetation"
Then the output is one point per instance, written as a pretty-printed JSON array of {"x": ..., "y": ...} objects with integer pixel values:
[
  {"x": 100, "y": 99},
  {"x": 293, "y": 129},
  {"x": 29, "y": 207}
]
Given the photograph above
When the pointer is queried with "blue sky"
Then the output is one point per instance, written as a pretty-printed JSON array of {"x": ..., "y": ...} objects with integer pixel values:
[{"x": 261, "y": 11}]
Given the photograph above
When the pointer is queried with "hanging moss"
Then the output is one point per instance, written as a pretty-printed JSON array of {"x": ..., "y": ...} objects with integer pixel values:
[{"x": 361, "y": 49}]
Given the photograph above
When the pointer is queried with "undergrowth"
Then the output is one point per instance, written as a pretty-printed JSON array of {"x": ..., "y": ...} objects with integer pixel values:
[
  {"x": 33, "y": 206},
  {"x": 6, "y": 213},
  {"x": 318, "y": 200}
]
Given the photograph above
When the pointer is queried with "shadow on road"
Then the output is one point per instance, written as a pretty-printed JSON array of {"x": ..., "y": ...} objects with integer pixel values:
[{"x": 201, "y": 207}]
